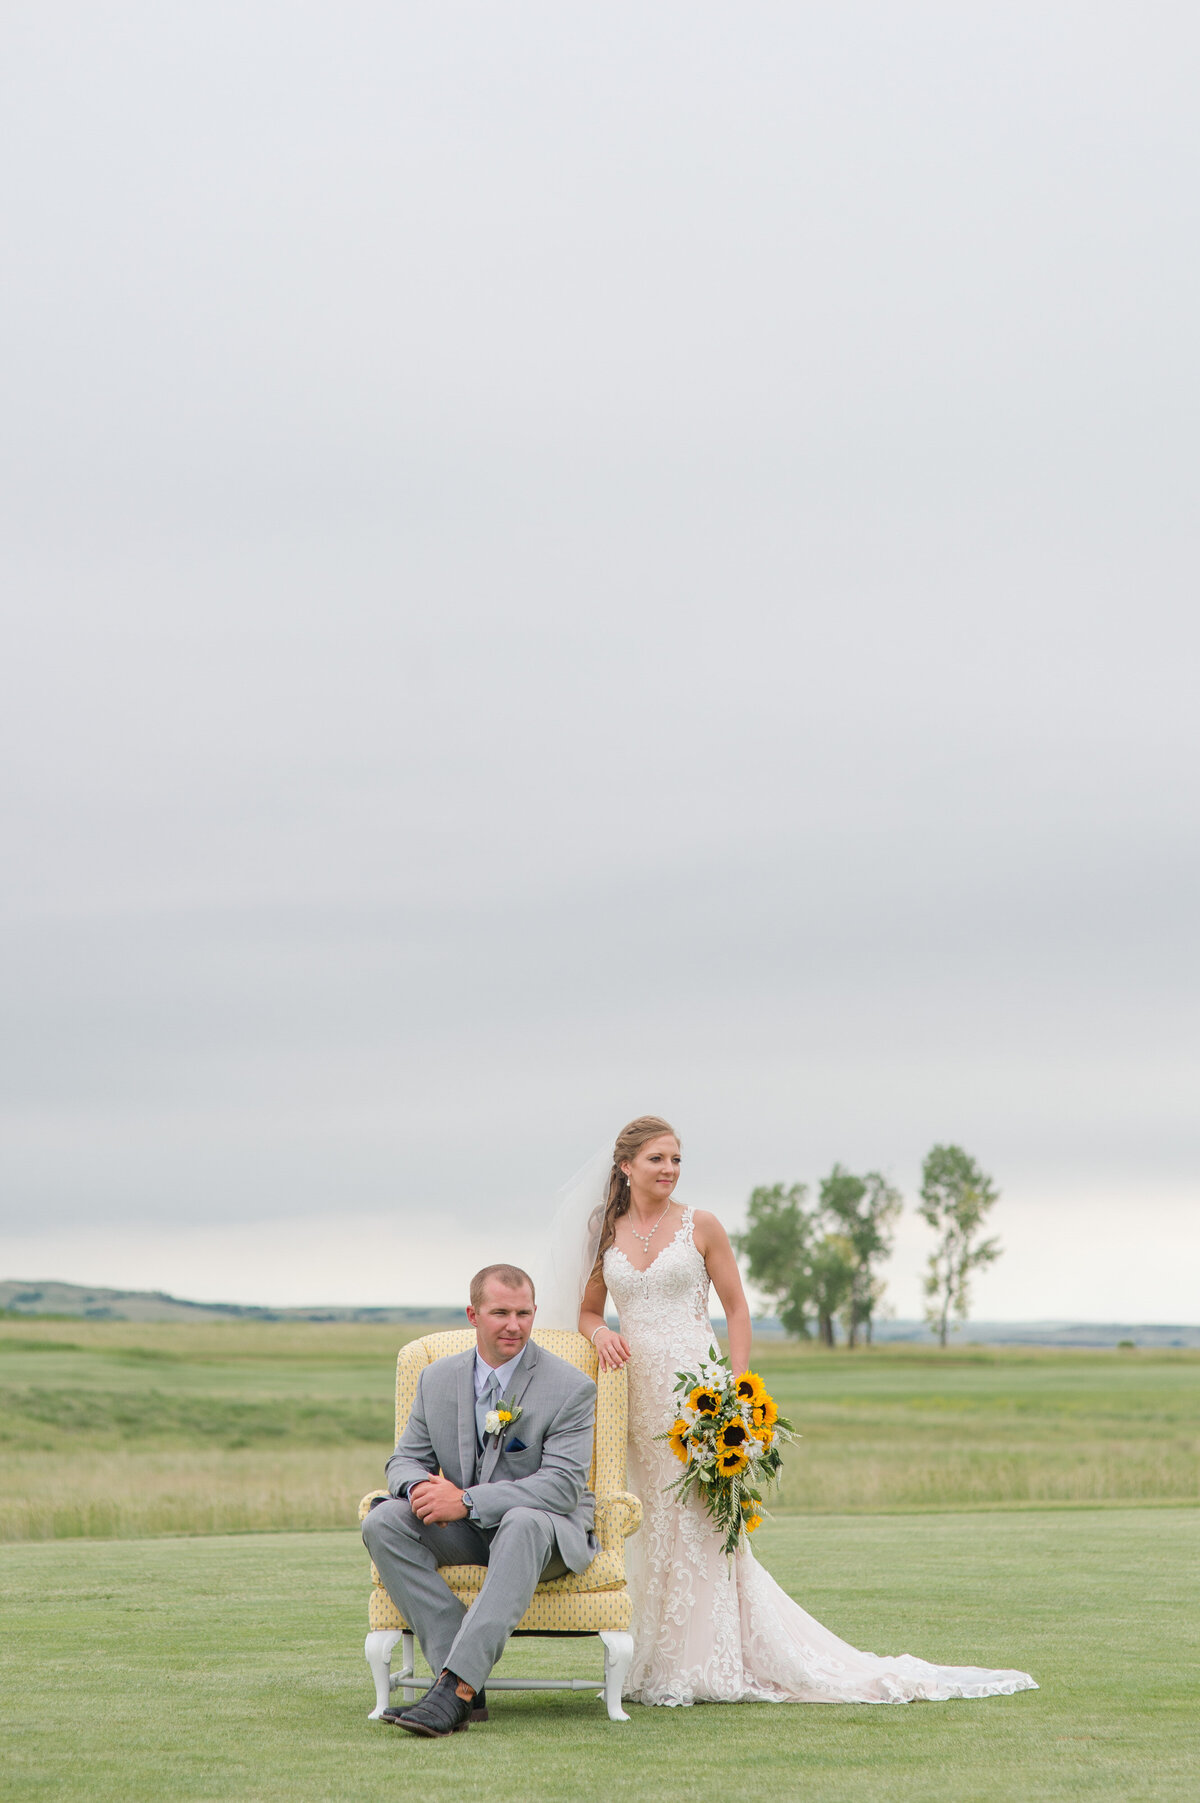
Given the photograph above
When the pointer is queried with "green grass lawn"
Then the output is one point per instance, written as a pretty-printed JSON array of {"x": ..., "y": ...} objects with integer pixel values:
[
  {"x": 120, "y": 1428},
  {"x": 231, "y": 1668}
]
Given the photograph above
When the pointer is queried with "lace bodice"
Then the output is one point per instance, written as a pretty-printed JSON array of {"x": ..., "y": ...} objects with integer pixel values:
[{"x": 665, "y": 1307}]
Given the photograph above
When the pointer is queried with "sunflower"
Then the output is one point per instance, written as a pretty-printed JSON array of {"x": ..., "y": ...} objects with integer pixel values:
[
  {"x": 763, "y": 1413},
  {"x": 731, "y": 1460},
  {"x": 764, "y": 1435},
  {"x": 750, "y": 1388},
  {"x": 751, "y": 1522},
  {"x": 677, "y": 1441},
  {"x": 705, "y": 1400},
  {"x": 733, "y": 1436}
]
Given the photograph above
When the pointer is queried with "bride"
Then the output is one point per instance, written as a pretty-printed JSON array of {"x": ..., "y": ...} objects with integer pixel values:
[{"x": 706, "y": 1630}]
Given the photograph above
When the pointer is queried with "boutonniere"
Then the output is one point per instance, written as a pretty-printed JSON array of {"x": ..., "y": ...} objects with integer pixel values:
[{"x": 498, "y": 1421}]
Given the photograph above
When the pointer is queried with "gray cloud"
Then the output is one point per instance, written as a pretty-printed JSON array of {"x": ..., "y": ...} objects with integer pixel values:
[{"x": 562, "y": 564}]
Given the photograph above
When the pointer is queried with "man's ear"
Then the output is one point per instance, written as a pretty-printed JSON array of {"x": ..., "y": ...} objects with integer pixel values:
[{"x": 470, "y": 1314}]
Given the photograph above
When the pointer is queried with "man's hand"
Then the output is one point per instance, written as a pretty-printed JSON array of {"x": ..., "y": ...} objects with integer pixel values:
[{"x": 436, "y": 1499}]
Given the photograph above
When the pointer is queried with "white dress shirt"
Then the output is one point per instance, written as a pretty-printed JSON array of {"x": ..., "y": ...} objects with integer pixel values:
[{"x": 501, "y": 1373}]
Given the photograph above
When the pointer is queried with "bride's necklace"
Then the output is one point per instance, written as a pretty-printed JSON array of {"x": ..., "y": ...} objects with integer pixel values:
[{"x": 647, "y": 1237}]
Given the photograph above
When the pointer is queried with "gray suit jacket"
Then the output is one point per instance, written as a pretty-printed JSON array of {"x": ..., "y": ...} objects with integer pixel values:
[{"x": 547, "y": 1470}]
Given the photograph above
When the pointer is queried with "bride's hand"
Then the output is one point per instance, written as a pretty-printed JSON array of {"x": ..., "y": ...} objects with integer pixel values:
[{"x": 612, "y": 1349}]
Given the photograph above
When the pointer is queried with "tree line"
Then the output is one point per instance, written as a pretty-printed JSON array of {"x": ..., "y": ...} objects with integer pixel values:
[{"x": 819, "y": 1260}]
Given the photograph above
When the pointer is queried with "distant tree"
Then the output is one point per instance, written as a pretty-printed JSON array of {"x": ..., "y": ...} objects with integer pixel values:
[
  {"x": 778, "y": 1230},
  {"x": 955, "y": 1198},
  {"x": 863, "y": 1210},
  {"x": 815, "y": 1262},
  {"x": 821, "y": 1286}
]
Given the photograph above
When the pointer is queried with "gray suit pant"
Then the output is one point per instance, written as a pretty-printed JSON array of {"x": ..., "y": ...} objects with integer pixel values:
[{"x": 407, "y": 1552}]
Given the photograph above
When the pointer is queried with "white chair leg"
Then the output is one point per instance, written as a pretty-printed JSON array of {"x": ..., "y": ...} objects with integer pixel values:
[
  {"x": 408, "y": 1656},
  {"x": 378, "y": 1649},
  {"x": 618, "y": 1656}
]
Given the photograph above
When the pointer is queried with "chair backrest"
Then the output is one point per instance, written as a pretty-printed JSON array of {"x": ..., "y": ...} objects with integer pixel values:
[{"x": 607, "y": 1474}]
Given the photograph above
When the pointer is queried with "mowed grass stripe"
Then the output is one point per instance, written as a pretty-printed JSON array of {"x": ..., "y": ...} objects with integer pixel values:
[{"x": 37, "y": 1411}]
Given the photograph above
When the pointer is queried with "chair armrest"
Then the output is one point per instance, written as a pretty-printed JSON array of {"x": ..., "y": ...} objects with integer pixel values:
[
  {"x": 372, "y": 1496},
  {"x": 617, "y": 1516}
]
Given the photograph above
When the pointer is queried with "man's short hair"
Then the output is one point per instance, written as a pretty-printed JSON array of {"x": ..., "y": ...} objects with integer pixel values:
[{"x": 511, "y": 1276}]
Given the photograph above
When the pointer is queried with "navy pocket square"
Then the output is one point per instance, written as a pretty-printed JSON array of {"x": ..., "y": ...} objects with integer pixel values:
[{"x": 516, "y": 1446}]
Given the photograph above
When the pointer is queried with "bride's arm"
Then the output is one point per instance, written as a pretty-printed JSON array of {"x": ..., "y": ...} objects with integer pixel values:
[
  {"x": 612, "y": 1348},
  {"x": 712, "y": 1243}
]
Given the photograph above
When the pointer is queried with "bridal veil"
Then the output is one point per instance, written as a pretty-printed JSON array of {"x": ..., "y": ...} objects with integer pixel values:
[{"x": 572, "y": 1243}]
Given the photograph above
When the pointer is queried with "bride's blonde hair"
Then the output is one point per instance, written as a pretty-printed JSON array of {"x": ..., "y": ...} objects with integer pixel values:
[{"x": 629, "y": 1142}]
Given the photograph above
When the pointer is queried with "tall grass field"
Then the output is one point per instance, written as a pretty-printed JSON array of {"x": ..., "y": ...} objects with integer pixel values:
[
  {"x": 183, "y": 1589},
  {"x": 115, "y": 1428}
]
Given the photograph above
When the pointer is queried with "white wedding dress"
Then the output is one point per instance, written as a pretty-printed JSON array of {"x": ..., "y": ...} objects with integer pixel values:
[{"x": 706, "y": 1630}]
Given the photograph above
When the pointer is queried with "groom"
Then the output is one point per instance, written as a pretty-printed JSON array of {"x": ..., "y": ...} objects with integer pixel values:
[{"x": 490, "y": 1470}]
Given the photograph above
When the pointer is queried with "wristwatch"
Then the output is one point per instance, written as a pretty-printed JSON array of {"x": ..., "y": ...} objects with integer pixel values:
[{"x": 466, "y": 1496}]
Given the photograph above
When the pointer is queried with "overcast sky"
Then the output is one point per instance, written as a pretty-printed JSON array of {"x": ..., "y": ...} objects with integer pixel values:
[{"x": 565, "y": 561}]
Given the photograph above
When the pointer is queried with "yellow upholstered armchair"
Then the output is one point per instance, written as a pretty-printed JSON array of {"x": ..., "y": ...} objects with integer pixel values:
[{"x": 594, "y": 1601}]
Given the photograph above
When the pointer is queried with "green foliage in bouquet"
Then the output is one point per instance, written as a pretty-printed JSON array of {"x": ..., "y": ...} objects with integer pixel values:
[{"x": 728, "y": 1437}]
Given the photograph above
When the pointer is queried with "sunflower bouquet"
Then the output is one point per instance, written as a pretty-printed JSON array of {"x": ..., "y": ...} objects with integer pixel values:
[{"x": 728, "y": 1437}]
